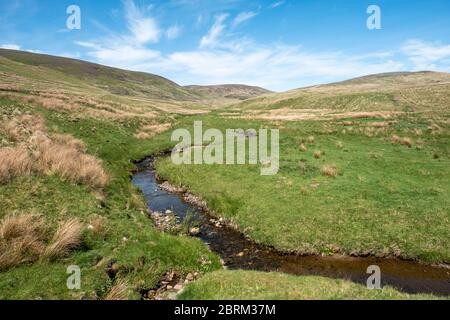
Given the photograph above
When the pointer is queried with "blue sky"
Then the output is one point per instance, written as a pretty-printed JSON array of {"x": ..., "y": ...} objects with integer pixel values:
[{"x": 276, "y": 44}]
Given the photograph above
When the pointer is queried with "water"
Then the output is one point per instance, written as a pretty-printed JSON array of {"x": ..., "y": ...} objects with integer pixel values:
[{"x": 238, "y": 252}]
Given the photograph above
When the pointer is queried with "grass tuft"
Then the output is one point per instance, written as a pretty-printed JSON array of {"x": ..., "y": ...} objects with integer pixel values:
[
  {"x": 21, "y": 239},
  {"x": 329, "y": 170},
  {"x": 66, "y": 238},
  {"x": 119, "y": 291}
]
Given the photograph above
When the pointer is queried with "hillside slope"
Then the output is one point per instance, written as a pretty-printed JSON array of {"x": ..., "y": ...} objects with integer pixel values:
[
  {"x": 383, "y": 93},
  {"x": 135, "y": 92}
]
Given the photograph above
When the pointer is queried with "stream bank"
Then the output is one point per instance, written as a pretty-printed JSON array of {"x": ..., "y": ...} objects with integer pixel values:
[{"x": 238, "y": 252}]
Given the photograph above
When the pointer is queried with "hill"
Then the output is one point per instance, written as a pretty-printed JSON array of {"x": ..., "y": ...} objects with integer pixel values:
[
  {"x": 230, "y": 91},
  {"x": 382, "y": 93},
  {"x": 137, "y": 92}
]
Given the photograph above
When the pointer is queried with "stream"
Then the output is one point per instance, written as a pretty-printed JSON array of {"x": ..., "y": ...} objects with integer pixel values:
[{"x": 238, "y": 252}]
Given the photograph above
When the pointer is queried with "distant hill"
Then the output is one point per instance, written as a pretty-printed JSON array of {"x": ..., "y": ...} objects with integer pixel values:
[{"x": 230, "y": 91}]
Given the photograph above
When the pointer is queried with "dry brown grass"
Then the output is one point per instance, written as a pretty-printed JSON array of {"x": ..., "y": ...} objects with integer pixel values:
[
  {"x": 21, "y": 127},
  {"x": 21, "y": 239},
  {"x": 142, "y": 135},
  {"x": 37, "y": 152},
  {"x": 24, "y": 238},
  {"x": 66, "y": 238},
  {"x": 401, "y": 140},
  {"x": 317, "y": 154},
  {"x": 68, "y": 162},
  {"x": 14, "y": 162},
  {"x": 150, "y": 130},
  {"x": 98, "y": 226},
  {"x": 382, "y": 124},
  {"x": 119, "y": 291},
  {"x": 329, "y": 170},
  {"x": 303, "y": 148},
  {"x": 68, "y": 140}
]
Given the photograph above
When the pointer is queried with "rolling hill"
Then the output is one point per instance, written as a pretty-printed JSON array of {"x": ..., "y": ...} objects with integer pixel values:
[
  {"x": 136, "y": 90},
  {"x": 426, "y": 92},
  {"x": 230, "y": 91}
]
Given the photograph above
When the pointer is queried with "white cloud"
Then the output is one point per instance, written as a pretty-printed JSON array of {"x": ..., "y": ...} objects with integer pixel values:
[
  {"x": 128, "y": 49},
  {"x": 144, "y": 29},
  {"x": 212, "y": 38},
  {"x": 173, "y": 32},
  {"x": 18, "y": 47},
  {"x": 87, "y": 44},
  {"x": 124, "y": 56},
  {"x": 223, "y": 57},
  {"x": 277, "y": 4},
  {"x": 10, "y": 46},
  {"x": 275, "y": 67},
  {"x": 242, "y": 17},
  {"x": 426, "y": 55}
]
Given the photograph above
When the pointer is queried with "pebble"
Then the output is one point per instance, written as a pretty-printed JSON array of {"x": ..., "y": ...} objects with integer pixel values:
[{"x": 194, "y": 231}]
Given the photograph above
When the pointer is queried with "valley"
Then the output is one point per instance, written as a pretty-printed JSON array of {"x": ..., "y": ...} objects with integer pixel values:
[{"x": 364, "y": 171}]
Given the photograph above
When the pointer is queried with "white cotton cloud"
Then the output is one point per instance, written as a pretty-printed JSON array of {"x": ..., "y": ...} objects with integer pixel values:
[{"x": 242, "y": 17}]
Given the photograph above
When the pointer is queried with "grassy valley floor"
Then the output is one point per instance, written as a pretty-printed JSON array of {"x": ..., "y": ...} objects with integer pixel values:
[{"x": 386, "y": 194}]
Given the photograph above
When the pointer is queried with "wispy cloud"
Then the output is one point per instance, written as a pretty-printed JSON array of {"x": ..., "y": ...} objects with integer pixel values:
[
  {"x": 143, "y": 28},
  {"x": 174, "y": 32},
  {"x": 87, "y": 44},
  {"x": 243, "y": 16},
  {"x": 426, "y": 55},
  {"x": 276, "y": 4},
  {"x": 223, "y": 56},
  {"x": 126, "y": 49},
  {"x": 211, "y": 39},
  {"x": 277, "y": 67}
]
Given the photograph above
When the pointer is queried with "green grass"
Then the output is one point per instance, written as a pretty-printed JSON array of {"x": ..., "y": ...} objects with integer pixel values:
[
  {"x": 387, "y": 200},
  {"x": 249, "y": 285},
  {"x": 145, "y": 254}
]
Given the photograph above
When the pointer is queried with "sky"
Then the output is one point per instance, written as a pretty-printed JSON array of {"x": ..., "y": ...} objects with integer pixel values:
[{"x": 276, "y": 44}]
